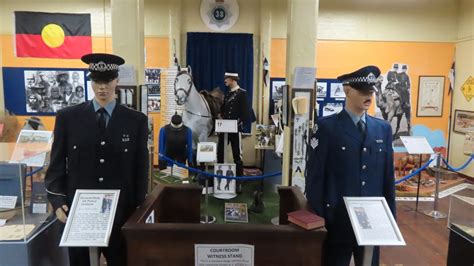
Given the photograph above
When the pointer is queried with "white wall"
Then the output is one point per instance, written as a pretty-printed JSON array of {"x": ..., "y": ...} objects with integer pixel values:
[{"x": 464, "y": 69}]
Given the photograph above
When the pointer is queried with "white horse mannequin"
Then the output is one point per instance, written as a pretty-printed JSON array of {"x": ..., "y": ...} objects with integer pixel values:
[{"x": 197, "y": 114}]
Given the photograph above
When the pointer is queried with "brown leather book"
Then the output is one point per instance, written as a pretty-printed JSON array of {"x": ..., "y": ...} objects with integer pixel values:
[{"x": 306, "y": 219}]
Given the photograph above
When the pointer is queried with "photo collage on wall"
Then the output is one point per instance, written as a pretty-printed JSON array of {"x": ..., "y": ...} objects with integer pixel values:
[
  {"x": 330, "y": 97},
  {"x": 152, "y": 78},
  {"x": 48, "y": 91}
]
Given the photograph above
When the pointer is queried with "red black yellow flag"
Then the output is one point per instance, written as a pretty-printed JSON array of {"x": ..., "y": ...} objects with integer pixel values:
[{"x": 52, "y": 35}]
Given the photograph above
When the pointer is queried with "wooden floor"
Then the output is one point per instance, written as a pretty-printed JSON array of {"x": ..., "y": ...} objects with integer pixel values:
[{"x": 426, "y": 238}]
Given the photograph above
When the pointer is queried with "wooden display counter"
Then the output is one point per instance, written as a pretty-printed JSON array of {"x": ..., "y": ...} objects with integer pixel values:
[{"x": 171, "y": 239}]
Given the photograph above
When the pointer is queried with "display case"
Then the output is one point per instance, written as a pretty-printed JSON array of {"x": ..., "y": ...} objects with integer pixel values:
[
  {"x": 29, "y": 233},
  {"x": 461, "y": 225}
]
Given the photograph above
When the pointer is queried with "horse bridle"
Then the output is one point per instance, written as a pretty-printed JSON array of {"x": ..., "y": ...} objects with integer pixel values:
[{"x": 186, "y": 92}]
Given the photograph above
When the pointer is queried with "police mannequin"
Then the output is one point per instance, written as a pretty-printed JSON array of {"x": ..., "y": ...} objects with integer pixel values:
[{"x": 176, "y": 142}]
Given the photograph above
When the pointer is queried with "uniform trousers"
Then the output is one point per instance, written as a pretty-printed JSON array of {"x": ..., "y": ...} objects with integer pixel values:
[
  {"x": 339, "y": 254},
  {"x": 236, "y": 144},
  {"x": 115, "y": 254}
]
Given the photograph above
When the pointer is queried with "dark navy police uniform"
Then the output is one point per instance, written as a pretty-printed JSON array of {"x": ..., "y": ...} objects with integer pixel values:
[
  {"x": 343, "y": 161},
  {"x": 85, "y": 155}
]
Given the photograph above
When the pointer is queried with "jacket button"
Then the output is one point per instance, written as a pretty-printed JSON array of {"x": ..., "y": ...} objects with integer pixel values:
[
  {"x": 343, "y": 148},
  {"x": 363, "y": 183},
  {"x": 102, "y": 143},
  {"x": 328, "y": 205},
  {"x": 74, "y": 147},
  {"x": 101, "y": 160},
  {"x": 101, "y": 179},
  {"x": 125, "y": 150},
  {"x": 364, "y": 167},
  {"x": 364, "y": 149},
  {"x": 380, "y": 150}
]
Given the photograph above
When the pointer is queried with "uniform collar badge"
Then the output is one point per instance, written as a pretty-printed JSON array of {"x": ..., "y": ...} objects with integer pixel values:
[{"x": 125, "y": 138}]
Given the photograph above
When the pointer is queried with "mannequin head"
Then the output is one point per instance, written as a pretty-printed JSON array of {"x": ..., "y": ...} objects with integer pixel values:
[{"x": 176, "y": 121}]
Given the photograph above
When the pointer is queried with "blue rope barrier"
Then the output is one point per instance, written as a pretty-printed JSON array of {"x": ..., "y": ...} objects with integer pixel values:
[
  {"x": 454, "y": 169},
  {"x": 417, "y": 171},
  {"x": 34, "y": 172},
  {"x": 194, "y": 170}
]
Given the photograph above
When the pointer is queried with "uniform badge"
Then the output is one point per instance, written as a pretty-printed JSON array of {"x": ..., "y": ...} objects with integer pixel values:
[
  {"x": 314, "y": 142},
  {"x": 379, "y": 140},
  {"x": 125, "y": 138}
]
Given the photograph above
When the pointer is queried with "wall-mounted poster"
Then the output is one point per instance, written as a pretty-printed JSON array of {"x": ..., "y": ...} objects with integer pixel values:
[
  {"x": 48, "y": 91},
  {"x": 430, "y": 96},
  {"x": 393, "y": 102},
  {"x": 332, "y": 108},
  {"x": 321, "y": 89},
  {"x": 154, "y": 103}
]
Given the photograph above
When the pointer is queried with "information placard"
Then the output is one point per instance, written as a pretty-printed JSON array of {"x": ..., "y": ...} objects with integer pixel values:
[
  {"x": 416, "y": 145},
  {"x": 226, "y": 126},
  {"x": 373, "y": 222},
  {"x": 90, "y": 220},
  {"x": 224, "y": 254},
  {"x": 206, "y": 152}
]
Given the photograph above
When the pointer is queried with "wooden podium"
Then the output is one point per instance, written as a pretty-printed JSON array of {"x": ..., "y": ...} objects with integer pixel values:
[{"x": 171, "y": 239}]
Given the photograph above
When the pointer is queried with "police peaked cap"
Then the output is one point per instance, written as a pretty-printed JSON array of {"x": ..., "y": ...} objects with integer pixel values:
[
  {"x": 232, "y": 75},
  {"x": 362, "y": 79},
  {"x": 103, "y": 67}
]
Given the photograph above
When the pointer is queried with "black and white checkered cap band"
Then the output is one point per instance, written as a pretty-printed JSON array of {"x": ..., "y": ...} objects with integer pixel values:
[
  {"x": 103, "y": 67},
  {"x": 370, "y": 79}
]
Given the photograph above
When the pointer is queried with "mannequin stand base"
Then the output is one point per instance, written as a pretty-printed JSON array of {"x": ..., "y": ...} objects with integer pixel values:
[
  {"x": 208, "y": 219},
  {"x": 435, "y": 214}
]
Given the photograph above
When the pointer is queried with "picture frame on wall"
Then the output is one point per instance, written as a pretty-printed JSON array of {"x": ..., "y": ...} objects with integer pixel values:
[
  {"x": 463, "y": 121},
  {"x": 430, "y": 96}
]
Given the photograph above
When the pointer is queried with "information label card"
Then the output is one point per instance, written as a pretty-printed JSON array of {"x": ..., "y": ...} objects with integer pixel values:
[
  {"x": 90, "y": 220},
  {"x": 373, "y": 222},
  {"x": 416, "y": 145},
  {"x": 224, "y": 254},
  {"x": 226, "y": 126},
  {"x": 8, "y": 202}
]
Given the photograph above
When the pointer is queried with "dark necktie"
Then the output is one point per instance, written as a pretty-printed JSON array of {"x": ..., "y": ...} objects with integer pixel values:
[
  {"x": 101, "y": 113},
  {"x": 361, "y": 127}
]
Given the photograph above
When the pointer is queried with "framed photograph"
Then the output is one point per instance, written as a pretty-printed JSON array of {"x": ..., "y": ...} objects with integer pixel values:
[
  {"x": 321, "y": 89},
  {"x": 236, "y": 213},
  {"x": 224, "y": 188},
  {"x": 265, "y": 137},
  {"x": 430, "y": 96},
  {"x": 373, "y": 222},
  {"x": 91, "y": 218},
  {"x": 468, "y": 147},
  {"x": 463, "y": 121},
  {"x": 337, "y": 91},
  {"x": 206, "y": 152}
]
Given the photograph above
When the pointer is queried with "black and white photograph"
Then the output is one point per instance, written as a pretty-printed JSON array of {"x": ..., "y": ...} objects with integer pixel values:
[
  {"x": 206, "y": 152},
  {"x": 265, "y": 136},
  {"x": 277, "y": 89},
  {"x": 222, "y": 185},
  {"x": 332, "y": 108},
  {"x": 154, "y": 103},
  {"x": 337, "y": 91},
  {"x": 362, "y": 217},
  {"x": 49, "y": 91},
  {"x": 152, "y": 75},
  {"x": 393, "y": 102},
  {"x": 321, "y": 89}
]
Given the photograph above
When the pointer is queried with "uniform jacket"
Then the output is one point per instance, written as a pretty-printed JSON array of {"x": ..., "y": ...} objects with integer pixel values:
[
  {"x": 236, "y": 106},
  {"x": 83, "y": 159},
  {"x": 341, "y": 163}
]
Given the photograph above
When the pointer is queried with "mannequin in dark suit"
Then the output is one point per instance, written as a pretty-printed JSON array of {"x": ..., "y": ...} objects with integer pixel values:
[
  {"x": 350, "y": 154},
  {"x": 99, "y": 144}
]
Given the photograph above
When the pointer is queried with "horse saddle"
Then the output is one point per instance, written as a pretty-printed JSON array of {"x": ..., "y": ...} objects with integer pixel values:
[{"x": 213, "y": 103}]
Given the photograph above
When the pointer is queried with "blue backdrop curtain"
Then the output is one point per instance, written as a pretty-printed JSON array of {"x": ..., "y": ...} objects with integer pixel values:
[{"x": 210, "y": 55}]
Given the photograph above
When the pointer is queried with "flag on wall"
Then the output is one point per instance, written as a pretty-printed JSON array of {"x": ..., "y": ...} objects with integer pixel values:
[
  {"x": 452, "y": 77},
  {"x": 52, "y": 35}
]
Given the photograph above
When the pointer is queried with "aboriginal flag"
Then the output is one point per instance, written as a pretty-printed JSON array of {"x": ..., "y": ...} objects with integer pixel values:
[{"x": 52, "y": 35}]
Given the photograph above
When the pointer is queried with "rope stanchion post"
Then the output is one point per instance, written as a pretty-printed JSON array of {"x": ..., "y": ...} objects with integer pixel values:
[
  {"x": 206, "y": 218},
  {"x": 435, "y": 213},
  {"x": 418, "y": 187}
]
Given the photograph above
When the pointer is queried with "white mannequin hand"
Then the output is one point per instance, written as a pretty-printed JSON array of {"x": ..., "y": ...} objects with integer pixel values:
[{"x": 61, "y": 213}]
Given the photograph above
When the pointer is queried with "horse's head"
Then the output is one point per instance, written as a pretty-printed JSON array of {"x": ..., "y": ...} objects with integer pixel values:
[{"x": 182, "y": 87}]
